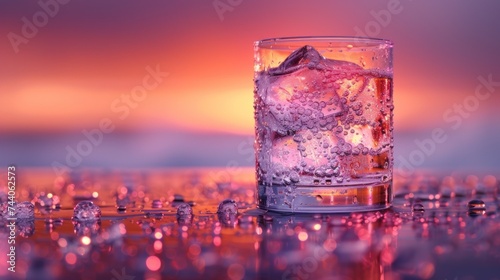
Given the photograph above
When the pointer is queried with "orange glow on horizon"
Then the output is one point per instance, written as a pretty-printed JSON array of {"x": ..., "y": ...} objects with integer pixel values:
[
  {"x": 50, "y": 107},
  {"x": 68, "y": 75}
]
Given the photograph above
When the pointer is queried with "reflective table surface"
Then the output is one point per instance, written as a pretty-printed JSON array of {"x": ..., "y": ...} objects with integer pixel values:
[{"x": 166, "y": 224}]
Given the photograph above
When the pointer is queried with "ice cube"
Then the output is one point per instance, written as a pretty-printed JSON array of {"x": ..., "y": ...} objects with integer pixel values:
[
  {"x": 361, "y": 134},
  {"x": 316, "y": 151},
  {"x": 307, "y": 151},
  {"x": 305, "y": 56},
  {"x": 351, "y": 87},
  {"x": 369, "y": 151},
  {"x": 309, "y": 89},
  {"x": 292, "y": 95},
  {"x": 285, "y": 154},
  {"x": 368, "y": 136},
  {"x": 369, "y": 99}
]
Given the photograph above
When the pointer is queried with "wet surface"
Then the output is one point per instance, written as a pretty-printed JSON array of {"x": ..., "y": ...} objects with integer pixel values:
[{"x": 203, "y": 224}]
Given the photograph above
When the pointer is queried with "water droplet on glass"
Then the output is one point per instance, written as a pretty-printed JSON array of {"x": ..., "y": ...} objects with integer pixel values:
[
  {"x": 86, "y": 211},
  {"x": 319, "y": 172},
  {"x": 287, "y": 181}
]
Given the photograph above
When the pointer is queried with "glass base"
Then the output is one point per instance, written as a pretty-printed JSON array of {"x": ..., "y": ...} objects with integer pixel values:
[{"x": 324, "y": 199}]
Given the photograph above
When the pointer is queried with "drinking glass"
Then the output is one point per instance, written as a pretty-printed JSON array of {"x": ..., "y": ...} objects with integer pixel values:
[{"x": 323, "y": 123}]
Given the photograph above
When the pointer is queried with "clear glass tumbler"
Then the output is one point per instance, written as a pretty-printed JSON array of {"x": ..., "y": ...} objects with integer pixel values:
[{"x": 323, "y": 124}]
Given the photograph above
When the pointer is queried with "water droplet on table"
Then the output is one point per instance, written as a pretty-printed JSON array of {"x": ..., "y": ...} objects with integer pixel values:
[
  {"x": 156, "y": 204},
  {"x": 184, "y": 209},
  {"x": 228, "y": 206},
  {"x": 86, "y": 211},
  {"x": 476, "y": 204},
  {"x": 25, "y": 210},
  {"x": 418, "y": 207}
]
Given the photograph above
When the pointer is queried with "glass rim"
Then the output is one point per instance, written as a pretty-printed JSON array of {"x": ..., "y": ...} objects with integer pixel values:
[{"x": 274, "y": 43}]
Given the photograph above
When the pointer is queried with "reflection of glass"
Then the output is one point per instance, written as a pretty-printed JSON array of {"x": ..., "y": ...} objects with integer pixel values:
[
  {"x": 307, "y": 247},
  {"x": 323, "y": 113}
]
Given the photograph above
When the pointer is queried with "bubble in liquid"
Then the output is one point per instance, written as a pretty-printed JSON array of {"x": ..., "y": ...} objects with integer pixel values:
[
  {"x": 228, "y": 206},
  {"x": 86, "y": 211},
  {"x": 476, "y": 204}
]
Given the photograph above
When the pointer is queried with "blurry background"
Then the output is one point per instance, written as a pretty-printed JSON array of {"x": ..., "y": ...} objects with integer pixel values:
[{"x": 67, "y": 66}]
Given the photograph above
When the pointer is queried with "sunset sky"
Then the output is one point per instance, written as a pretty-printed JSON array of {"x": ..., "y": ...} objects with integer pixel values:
[{"x": 83, "y": 58}]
